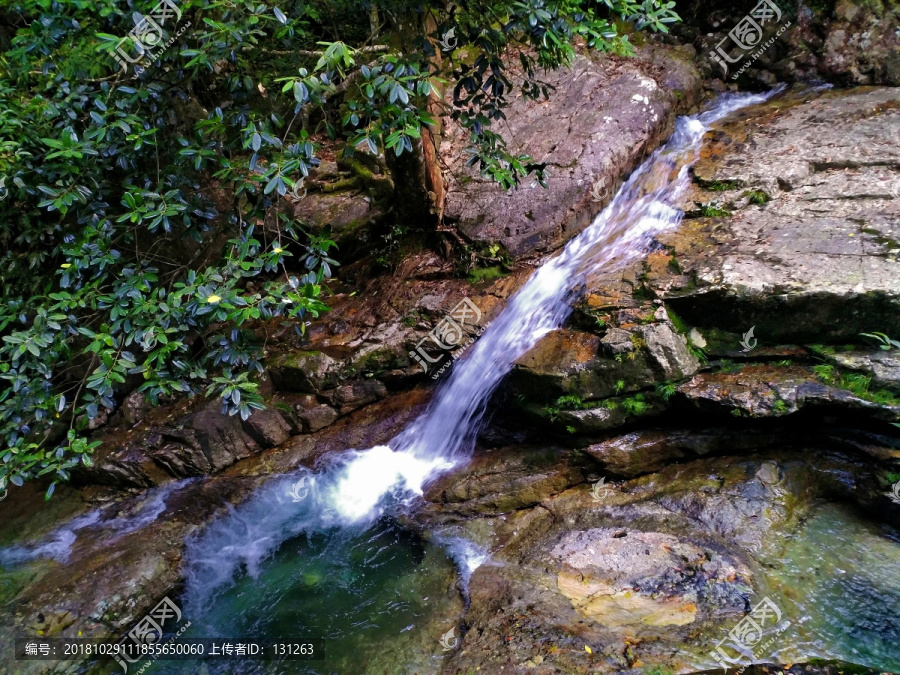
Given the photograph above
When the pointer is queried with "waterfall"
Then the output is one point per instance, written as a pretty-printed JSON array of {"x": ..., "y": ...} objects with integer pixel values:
[{"x": 354, "y": 488}]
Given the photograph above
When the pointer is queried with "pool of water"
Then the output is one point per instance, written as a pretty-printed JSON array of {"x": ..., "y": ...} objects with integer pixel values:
[
  {"x": 376, "y": 601},
  {"x": 840, "y": 580}
]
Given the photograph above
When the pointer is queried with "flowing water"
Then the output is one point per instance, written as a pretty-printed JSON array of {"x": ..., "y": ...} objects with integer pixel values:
[
  {"x": 248, "y": 574},
  {"x": 58, "y": 544}
]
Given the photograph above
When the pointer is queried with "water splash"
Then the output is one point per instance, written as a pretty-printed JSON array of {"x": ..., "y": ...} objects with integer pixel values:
[{"x": 355, "y": 488}]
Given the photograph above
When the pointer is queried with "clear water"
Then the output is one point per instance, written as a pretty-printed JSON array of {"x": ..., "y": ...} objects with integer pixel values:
[
  {"x": 840, "y": 579},
  {"x": 346, "y": 593}
]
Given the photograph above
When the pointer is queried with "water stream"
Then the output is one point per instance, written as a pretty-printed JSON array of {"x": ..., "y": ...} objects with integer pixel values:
[{"x": 245, "y": 568}]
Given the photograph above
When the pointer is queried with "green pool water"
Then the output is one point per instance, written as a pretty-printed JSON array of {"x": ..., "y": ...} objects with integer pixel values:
[
  {"x": 373, "y": 602},
  {"x": 839, "y": 578}
]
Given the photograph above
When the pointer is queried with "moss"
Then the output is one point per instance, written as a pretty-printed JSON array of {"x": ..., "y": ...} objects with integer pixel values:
[
  {"x": 758, "y": 197},
  {"x": 713, "y": 210},
  {"x": 727, "y": 366},
  {"x": 569, "y": 403},
  {"x": 722, "y": 185},
  {"x": 482, "y": 274},
  {"x": 635, "y": 405},
  {"x": 677, "y": 322},
  {"x": 856, "y": 383},
  {"x": 673, "y": 265},
  {"x": 342, "y": 185},
  {"x": 12, "y": 582},
  {"x": 380, "y": 361}
]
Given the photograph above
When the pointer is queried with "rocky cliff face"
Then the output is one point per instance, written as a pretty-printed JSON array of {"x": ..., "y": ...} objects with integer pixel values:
[{"x": 606, "y": 114}]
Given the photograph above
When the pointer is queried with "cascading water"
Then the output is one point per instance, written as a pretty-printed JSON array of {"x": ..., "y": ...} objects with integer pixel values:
[
  {"x": 310, "y": 554},
  {"x": 353, "y": 490}
]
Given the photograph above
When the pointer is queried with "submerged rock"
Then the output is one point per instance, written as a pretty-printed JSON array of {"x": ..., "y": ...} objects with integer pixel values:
[{"x": 649, "y": 572}]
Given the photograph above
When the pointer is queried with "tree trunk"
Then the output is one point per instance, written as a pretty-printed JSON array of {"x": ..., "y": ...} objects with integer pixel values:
[{"x": 417, "y": 175}]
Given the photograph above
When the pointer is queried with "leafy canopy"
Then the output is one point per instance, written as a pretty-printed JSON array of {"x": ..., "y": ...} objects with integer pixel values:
[{"x": 137, "y": 206}]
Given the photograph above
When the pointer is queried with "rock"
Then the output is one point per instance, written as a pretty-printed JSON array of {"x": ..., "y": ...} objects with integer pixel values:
[
  {"x": 639, "y": 581},
  {"x": 134, "y": 408},
  {"x": 567, "y": 363},
  {"x": 848, "y": 42},
  {"x": 669, "y": 352},
  {"x": 862, "y": 45},
  {"x": 350, "y": 214},
  {"x": 617, "y": 341},
  {"x": 267, "y": 427},
  {"x": 357, "y": 394},
  {"x": 819, "y": 260},
  {"x": 100, "y": 419},
  {"x": 696, "y": 339},
  {"x": 317, "y": 417},
  {"x": 883, "y": 366},
  {"x": 646, "y": 451},
  {"x": 607, "y": 113},
  {"x": 207, "y": 442},
  {"x": 593, "y": 420},
  {"x": 200, "y": 443},
  {"x": 772, "y": 391},
  {"x": 504, "y": 480},
  {"x": 307, "y": 372}
]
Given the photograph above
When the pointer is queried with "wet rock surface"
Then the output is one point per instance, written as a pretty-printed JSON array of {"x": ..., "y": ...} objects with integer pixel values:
[
  {"x": 643, "y": 572},
  {"x": 817, "y": 259}
]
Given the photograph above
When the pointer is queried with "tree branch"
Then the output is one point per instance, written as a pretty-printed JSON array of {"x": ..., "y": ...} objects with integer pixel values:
[{"x": 374, "y": 49}]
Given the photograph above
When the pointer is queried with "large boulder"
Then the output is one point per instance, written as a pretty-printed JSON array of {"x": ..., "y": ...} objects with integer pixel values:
[
  {"x": 802, "y": 246},
  {"x": 605, "y": 115}
]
